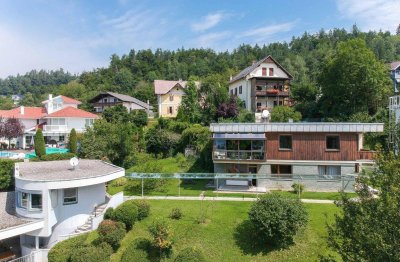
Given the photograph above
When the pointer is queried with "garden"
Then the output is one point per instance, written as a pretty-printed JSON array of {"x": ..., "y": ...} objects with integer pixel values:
[{"x": 160, "y": 230}]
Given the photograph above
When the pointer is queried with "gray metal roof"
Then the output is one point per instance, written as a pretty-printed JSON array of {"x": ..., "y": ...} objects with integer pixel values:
[
  {"x": 247, "y": 136},
  {"x": 296, "y": 127},
  {"x": 124, "y": 98},
  {"x": 61, "y": 170}
]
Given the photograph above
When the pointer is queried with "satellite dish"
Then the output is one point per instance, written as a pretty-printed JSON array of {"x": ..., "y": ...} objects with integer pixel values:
[
  {"x": 74, "y": 162},
  {"x": 265, "y": 113}
]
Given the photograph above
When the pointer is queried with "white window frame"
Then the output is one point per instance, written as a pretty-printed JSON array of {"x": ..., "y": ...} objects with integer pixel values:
[
  {"x": 28, "y": 203},
  {"x": 70, "y": 197}
]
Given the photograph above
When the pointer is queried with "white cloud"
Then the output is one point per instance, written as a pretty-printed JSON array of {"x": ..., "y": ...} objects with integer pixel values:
[
  {"x": 208, "y": 21},
  {"x": 371, "y": 14},
  {"x": 264, "y": 33},
  {"x": 211, "y": 39}
]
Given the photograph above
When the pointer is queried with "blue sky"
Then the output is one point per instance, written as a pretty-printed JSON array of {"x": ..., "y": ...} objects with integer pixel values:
[{"x": 82, "y": 35}]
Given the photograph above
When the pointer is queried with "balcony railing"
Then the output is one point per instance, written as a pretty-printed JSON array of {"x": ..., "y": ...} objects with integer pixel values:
[
  {"x": 55, "y": 128},
  {"x": 248, "y": 155},
  {"x": 272, "y": 92},
  {"x": 366, "y": 155}
]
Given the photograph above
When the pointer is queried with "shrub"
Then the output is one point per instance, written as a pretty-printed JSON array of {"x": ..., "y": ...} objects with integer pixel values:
[
  {"x": 72, "y": 141},
  {"x": 161, "y": 232},
  {"x": 6, "y": 173},
  {"x": 126, "y": 213},
  {"x": 176, "y": 213},
  {"x": 190, "y": 254},
  {"x": 100, "y": 253},
  {"x": 143, "y": 209},
  {"x": 111, "y": 232},
  {"x": 277, "y": 219},
  {"x": 137, "y": 251},
  {"x": 54, "y": 157},
  {"x": 63, "y": 251},
  {"x": 40, "y": 148},
  {"x": 109, "y": 214},
  {"x": 121, "y": 181},
  {"x": 298, "y": 188}
]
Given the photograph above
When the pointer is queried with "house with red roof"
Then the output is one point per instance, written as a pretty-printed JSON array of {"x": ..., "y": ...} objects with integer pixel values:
[
  {"x": 169, "y": 96},
  {"x": 56, "y": 118}
]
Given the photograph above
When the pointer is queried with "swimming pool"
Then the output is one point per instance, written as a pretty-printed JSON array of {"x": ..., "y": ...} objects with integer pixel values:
[
  {"x": 5, "y": 154},
  {"x": 49, "y": 151}
]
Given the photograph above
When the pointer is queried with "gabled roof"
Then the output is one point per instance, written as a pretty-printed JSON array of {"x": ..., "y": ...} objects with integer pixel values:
[
  {"x": 251, "y": 68},
  {"x": 122, "y": 97},
  {"x": 72, "y": 112},
  {"x": 394, "y": 65},
  {"x": 163, "y": 86},
  {"x": 65, "y": 99},
  {"x": 29, "y": 113}
]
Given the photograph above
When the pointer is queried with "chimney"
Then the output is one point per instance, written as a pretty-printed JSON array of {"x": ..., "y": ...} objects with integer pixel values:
[
  {"x": 22, "y": 110},
  {"x": 50, "y": 96}
]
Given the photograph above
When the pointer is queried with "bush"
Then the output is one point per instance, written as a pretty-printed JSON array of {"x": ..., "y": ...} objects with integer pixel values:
[
  {"x": 151, "y": 184},
  {"x": 121, "y": 181},
  {"x": 277, "y": 219},
  {"x": 40, "y": 148},
  {"x": 190, "y": 254},
  {"x": 139, "y": 117},
  {"x": 54, "y": 157},
  {"x": 143, "y": 209},
  {"x": 298, "y": 188},
  {"x": 126, "y": 213},
  {"x": 176, "y": 213},
  {"x": 63, "y": 251},
  {"x": 100, "y": 253},
  {"x": 284, "y": 113},
  {"x": 6, "y": 173},
  {"x": 109, "y": 214},
  {"x": 161, "y": 232},
  {"x": 111, "y": 232},
  {"x": 137, "y": 251}
]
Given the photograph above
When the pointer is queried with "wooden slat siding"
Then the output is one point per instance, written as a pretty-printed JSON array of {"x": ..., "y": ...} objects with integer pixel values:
[{"x": 312, "y": 146}]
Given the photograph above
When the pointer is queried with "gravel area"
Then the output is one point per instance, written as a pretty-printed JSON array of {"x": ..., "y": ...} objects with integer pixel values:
[
  {"x": 8, "y": 217},
  {"x": 62, "y": 170}
]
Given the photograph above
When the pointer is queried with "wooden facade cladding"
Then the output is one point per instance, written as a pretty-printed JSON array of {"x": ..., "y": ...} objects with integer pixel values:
[{"x": 312, "y": 146}]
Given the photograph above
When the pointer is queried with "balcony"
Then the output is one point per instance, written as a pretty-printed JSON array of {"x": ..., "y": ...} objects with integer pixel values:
[
  {"x": 55, "y": 128},
  {"x": 272, "y": 93},
  {"x": 243, "y": 155},
  {"x": 366, "y": 155}
]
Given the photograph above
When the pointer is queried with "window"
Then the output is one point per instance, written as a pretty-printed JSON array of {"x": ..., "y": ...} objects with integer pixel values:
[
  {"x": 240, "y": 90},
  {"x": 281, "y": 169},
  {"x": 105, "y": 100},
  {"x": 57, "y": 121},
  {"x": 329, "y": 172},
  {"x": 258, "y": 104},
  {"x": 36, "y": 201},
  {"x": 271, "y": 72},
  {"x": 235, "y": 91},
  {"x": 171, "y": 97},
  {"x": 332, "y": 142},
  {"x": 29, "y": 201},
  {"x": 170, "y": 110},
  {"x": 231, "y": 92},
  {"x": 220, "y": 144},
  {"x": 70, "y": 196},
  {"x": 23, "y": 199},
  {"x": 264, "y": 71},
  {"x": 285, "y": 142},
  {"x": 89, "y": 122}
]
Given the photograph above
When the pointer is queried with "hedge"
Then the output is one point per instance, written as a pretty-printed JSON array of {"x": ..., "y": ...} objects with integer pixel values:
[
  {"x": 53, "y": 157},
  {"x": 89, "y": 253},
  {"x": 6, "y": 173},
  {"x": 190, "y": 254},
  {"x": 143, "y": 209},
  {"x": 126, "y": 213},
  {"x": 111, "y": 232},
  {"x": 138, "y": 251},
  {"x": 63, "y": 251}
]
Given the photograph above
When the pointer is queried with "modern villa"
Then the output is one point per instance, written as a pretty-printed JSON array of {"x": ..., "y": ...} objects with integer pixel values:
[
  {"x": 55, "y": 200},
  {"x": 56, "y": 118},
  {"x": 279, "y": 153},
  {"x": 262, "y": 85}
]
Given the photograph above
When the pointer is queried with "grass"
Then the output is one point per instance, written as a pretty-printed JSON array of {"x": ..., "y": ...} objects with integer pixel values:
[{"x": 225, "y": 235}]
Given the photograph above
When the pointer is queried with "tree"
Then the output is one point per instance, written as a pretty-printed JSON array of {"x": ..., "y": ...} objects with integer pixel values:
[
  {"x": 139, "y": 117},
  {"x": 40, "y": 149},
  {"x": 284, "y": 113},
  {"x": 6, "y": 103},
  {"x": 116, "y": 114},
  {"x": 12, "y": 128},
  {"x": 161, "y": 233},
  {"x": 160, "y": 141},
  {"x": 368, "y": 229},
  {"x": 228, "y": 110},
  {"x": 72, "y": 141},
  {"x": 353, "y": 80},
  {"x": 189, "y": 110},
  {"x": 277, "y": 219}
]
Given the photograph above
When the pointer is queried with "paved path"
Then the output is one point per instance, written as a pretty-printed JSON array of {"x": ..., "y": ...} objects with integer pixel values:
[{"x": 239, "y": 199}]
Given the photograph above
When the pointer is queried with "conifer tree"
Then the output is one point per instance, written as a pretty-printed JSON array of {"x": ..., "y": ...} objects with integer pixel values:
[
  {"x": 72, "y": 141},
  {"x": 40, "y": 148}
]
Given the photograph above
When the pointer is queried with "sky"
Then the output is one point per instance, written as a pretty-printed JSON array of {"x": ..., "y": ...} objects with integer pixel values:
[{"x": 82, "y": 35}]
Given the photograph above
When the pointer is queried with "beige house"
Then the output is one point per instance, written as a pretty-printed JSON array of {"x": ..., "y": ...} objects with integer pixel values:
[{"x": 169, "y": 96}]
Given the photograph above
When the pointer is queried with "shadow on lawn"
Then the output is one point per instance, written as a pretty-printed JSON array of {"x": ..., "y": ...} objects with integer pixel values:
[{"x": 248, "y": 241}]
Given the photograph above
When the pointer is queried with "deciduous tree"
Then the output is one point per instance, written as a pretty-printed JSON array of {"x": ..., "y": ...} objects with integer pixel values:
[{"x": 12, "y": 128}]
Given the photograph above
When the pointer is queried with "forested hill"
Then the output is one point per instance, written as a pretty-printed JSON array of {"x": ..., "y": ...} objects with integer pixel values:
[{"x": 133, "y": 73}]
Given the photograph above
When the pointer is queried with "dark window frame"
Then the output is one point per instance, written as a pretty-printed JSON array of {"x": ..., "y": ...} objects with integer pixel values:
[
  {"x": 327, "y": 148},
  {"x": 291, "y": 143},
  {"x": 240, "y": 90}
]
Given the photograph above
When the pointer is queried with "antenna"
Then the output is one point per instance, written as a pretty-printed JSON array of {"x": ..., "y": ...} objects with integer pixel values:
[{"x": 74, "y": 162}]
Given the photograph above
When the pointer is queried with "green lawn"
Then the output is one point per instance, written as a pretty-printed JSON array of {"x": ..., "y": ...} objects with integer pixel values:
[{"x": 225, "y": 235}]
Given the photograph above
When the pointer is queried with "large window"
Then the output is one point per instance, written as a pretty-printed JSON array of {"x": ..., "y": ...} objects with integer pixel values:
[
  {"x": 281, "y": 170},
  {"x": 57, "y": 121},
  {"x": 329, "y": 172},
  {"x": 239, "y": 149},
  {"x": 70, "y": 196},
  {"x": 89, "y": 122},
  {"x": 285, "y": 142},
  {"x": 332, "y": 142},
  {"x": 29, "y": 201}
]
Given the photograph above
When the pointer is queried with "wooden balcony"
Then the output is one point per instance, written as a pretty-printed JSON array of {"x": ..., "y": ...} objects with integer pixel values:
[
  {"x": 366, "y": 155},
  {"x": 272, "y": 93}
]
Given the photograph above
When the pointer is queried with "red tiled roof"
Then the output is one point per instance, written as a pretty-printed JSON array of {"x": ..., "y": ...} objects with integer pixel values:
[
  {"x": 68, "y": 100},
  {"x": 163, "y": 86},
  {"x": 72, "y": 112},
  {"x": 29, "y": 113}
]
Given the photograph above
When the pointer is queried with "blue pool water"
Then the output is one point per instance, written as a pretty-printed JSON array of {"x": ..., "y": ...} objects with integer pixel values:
[
  {"x": 49, "y": 150},
  {"x": 5, "y": 154}
]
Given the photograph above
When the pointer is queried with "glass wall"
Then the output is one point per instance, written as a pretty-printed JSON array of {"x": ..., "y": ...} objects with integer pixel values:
[{"x": 228, "y": 149}]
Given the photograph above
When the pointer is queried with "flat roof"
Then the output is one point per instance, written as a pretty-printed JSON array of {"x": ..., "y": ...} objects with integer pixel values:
[
  {"x": 8, "y": 217},
  {"x": 61, "y": 170},
  {"x": 227, "y": 176},
  {"x": 296, "y": 127}
]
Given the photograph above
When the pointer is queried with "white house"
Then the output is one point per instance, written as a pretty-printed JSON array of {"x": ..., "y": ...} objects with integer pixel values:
[
  {"x": 262, "y": 85},
  {"x": 54, "y": 201},
  {"x": 56, "y": 118},
  {"x": 395, "y": 74}
]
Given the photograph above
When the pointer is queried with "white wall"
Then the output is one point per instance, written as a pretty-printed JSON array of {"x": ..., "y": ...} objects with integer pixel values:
[
  {"x": 246, "y": 91},
  {"x": 78, "y": 123}
]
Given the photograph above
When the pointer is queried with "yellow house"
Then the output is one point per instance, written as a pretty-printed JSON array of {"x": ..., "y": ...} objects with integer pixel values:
[{"x": 169, "y": 96}]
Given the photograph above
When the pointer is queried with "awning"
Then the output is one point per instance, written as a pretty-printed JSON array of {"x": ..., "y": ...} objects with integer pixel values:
[{"x": 243, "y": 136}]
